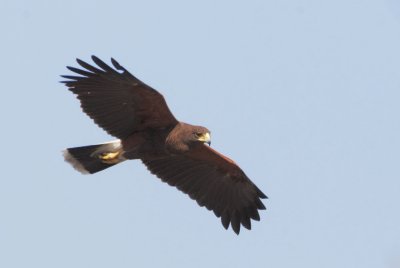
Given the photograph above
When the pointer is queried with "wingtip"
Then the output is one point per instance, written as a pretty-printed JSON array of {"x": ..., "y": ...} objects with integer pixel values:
[
  {"x": 117, "y": 65},
  {"x": 235, "y": 222},
  {"x": 246, "y": 222},
  {"x": 63, "y": 81},
  {"x": 67, "y": 76},
  {"x": 261, "y": 194},
  {"x": 225, "y": 221},
  {"x": 236, "y": 228},
  {"x": 80, "y": 62},
  {"x": 260, "y": 204},
  {"x": 73, "y": 69},
  {"x": 96, "y": 59}
]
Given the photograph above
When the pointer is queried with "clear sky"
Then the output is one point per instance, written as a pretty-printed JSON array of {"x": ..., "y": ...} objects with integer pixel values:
[{"x": 304, "y": 95}]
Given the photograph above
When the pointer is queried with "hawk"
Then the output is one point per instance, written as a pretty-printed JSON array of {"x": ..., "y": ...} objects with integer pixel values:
[{"x": 176, "y": 152}]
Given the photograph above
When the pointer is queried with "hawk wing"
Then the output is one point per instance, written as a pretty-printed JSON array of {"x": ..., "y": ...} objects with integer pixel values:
[
  {"x": 214, "y": 181},
  {"x": 117, "y": 101}
]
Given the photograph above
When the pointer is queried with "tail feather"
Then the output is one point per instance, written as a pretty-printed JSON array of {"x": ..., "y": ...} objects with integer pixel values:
[{"x": 94, "y": 158}]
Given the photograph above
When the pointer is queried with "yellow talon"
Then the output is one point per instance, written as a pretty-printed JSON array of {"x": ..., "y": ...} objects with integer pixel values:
[{"x": 110, "y": 158}]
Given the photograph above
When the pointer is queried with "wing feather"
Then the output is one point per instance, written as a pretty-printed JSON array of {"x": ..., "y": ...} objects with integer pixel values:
[
  {"x": 213, "y": 181},
  {"x": 116, "y": 100}
]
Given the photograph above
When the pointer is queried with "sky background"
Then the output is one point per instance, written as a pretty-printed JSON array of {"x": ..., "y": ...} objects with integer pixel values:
[{"x": 304, "y": 95}]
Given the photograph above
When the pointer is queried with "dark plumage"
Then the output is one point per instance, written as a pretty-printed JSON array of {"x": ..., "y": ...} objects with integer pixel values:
[{"x": 174, "y": 151}]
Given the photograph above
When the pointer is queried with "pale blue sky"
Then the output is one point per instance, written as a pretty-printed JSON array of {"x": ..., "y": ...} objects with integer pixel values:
[{"x": 304, "y": 95}]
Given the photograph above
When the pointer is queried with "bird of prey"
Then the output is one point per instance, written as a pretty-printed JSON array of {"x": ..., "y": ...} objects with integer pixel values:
[{"x": 176, "y": 152}]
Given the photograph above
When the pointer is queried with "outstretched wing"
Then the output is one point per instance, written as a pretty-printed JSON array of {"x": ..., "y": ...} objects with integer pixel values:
[
  {"x": 116, "y": 100},
  {"x": 215, "y": 182}
]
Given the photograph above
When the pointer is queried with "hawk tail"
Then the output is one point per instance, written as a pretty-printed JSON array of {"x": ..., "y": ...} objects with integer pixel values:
[{"x": 94, "y": 158}]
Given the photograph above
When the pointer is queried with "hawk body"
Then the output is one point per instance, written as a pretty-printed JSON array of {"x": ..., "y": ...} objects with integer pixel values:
[{"x": 174, "y": 151}]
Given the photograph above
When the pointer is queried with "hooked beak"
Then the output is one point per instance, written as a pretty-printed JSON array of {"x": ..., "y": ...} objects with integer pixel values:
[{"x": 205, "y": 138}]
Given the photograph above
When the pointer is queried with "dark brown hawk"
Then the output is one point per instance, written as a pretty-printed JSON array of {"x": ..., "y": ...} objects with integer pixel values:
[{"x": 174, "y": 151}]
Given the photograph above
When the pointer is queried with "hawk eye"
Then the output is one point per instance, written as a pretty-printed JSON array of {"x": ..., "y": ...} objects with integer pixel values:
[{"x": 197, "y": 134}]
